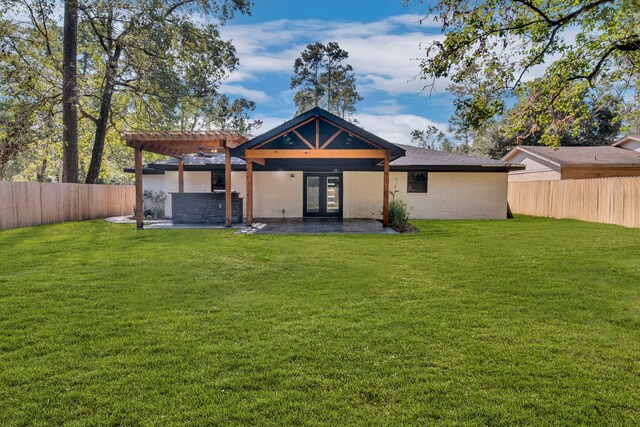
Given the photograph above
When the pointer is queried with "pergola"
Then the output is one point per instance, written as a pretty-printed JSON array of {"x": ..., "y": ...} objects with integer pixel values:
[{"x": 178, "y": 144}]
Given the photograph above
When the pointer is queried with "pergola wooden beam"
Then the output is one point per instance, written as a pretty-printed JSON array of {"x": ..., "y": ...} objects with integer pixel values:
[
  {"x": 249, "y": 196},
  {"x": 139, "y": 204},
  {"x": 385, "y": 197},
  {"x": 181, "y": 175},
  {"x": 227, "y": 187}
]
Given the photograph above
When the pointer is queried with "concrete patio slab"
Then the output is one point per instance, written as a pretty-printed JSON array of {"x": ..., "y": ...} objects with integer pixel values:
[
  {"x": 317, "y": 226},
  {"x": 276, "y": 226},
  {"x": 166, "y": 223}
]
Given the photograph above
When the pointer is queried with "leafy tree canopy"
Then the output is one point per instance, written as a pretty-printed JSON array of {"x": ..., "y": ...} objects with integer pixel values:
[
  {"x": 324, "y": 81},
  {"x": 142, "y": 64},
  {"x": 495, "y": 47}
]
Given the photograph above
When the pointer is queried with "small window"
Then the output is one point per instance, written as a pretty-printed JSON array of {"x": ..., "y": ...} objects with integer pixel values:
[
  {"x": 417, "y": 182},
  {"x": 217, "y": 181}
]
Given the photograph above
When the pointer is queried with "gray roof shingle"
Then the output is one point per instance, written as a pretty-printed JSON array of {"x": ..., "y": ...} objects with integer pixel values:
[
  {"x": 599, "y": 155},
  {"x": 417, "y": 156}
]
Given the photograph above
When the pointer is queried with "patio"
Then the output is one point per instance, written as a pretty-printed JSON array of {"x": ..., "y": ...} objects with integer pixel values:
[
  {"x": 277, "y": 226},
  {"x": 317, "y": 226}
]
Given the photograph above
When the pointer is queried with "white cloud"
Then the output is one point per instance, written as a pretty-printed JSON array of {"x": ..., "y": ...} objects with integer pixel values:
[
  {"x": 250, "y": 94},
  {"x": 383, "y": 53},
  {"x": 395, "y": 128},
  {"x": 269, "y": 122}
]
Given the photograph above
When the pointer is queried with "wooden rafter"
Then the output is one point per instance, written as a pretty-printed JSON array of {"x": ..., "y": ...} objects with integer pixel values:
[
  {"x": 350, "y": 133},
  {"x": 284, "y": 133},
  {"x": 330, "y": 140},
  {"x": 303, "y": 139},
  {"x": 178, "y": 144}
]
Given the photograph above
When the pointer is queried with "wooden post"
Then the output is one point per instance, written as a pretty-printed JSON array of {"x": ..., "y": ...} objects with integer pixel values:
[
  {"x": 317, "y": 133},
  {"x": 180, "y": 175},
  {"x": 227, "y": 185},
  {"x": 385, "y": 198},
  {"x": 249, "y": 192},
  {"x": 139, "y": 201}
]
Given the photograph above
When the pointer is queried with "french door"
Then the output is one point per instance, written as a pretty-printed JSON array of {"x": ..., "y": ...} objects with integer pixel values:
[{"x": 322, "y": 195}]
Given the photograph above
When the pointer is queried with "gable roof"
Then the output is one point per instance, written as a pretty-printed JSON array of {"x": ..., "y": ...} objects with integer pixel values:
[
  {"x": 435, "y": 159},
  {"x": 394, "y": 150},
  {"x": 581, "y": 156},
  {"x": 626, "y": 138}
]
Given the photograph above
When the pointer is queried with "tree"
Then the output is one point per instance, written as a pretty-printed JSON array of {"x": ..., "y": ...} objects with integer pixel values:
[
  {"x": 69, "y": 92},
  {"x": 307, "y": 70},
  {"x": 30, "y": 93},
  {"x": 598, "y": 127},
  {"x": 158, "y": 52},
  {"x": 502, "y": 44},
  {"x": 324, "y": 81},
  {"x": 139, "y": 64},
  {"x": 433, "y": 139}
]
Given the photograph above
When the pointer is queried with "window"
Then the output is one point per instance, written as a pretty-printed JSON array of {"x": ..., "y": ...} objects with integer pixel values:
[
  {"x": 417, "y": 182},
  {"x": 217, "y": 181}
]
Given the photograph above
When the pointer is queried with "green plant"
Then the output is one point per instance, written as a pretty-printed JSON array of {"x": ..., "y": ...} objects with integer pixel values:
[
  {"x": 154, "y": 204},
  {"x": 398, "y": 213}
]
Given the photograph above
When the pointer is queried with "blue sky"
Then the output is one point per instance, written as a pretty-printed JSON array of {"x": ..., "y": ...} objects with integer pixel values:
[{"x": 383, "y": 39}]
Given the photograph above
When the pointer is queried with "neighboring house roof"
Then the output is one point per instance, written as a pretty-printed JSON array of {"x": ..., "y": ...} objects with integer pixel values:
[
  {"x": 394, "y": 150},
  {"x": 597, "y": 156},
  {"x": 625, "y": 139},
  {"x": 442, "y": 160}
]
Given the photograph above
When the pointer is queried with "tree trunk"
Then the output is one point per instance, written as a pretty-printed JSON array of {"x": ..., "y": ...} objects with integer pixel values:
[
  {"x": 103, "y": 120},
  {"x": 69, "y": 93},
  {"x": 40, "y": 174}
]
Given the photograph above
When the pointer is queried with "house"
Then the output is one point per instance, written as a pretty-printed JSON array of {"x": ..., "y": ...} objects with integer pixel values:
[
  {"x": 319, "y": 165},
  {"x": 629, "y": 142},
  {"x": 546, "y": 163}
]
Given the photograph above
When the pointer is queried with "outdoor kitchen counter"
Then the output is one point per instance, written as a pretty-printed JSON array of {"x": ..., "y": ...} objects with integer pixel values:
[{"x": 204, "y": 208}]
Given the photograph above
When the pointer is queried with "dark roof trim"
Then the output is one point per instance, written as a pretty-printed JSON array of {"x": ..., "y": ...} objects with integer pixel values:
[
  {"x": 422, "y": 168},
  {"x": 454, "y": 168},
  {"x": 193, "y": 168},
  {"x": 394, "y": 150},
  {"x": 145, "y": 171}
]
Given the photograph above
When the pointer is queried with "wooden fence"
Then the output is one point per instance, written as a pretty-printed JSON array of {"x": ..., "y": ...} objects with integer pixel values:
[
  {"x": 23, "y": 204},
  {"x": 605, "y": 200}
]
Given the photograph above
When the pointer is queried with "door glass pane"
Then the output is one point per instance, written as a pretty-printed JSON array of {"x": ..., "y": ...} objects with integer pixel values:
[
  {"x": 333, "y": 194},
  {"x": 313, "y": 194}
]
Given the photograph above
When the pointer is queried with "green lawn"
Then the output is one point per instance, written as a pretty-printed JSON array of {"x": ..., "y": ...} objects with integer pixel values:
[{"x": 529, "y": 321}]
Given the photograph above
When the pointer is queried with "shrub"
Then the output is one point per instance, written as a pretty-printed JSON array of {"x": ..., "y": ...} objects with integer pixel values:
[
  {"x": 154, "y": 204},
  {"x": 398, "y": 214}
]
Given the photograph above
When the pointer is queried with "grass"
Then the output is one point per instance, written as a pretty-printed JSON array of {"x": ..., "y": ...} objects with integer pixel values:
[{"x": 530, "y": 321}]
